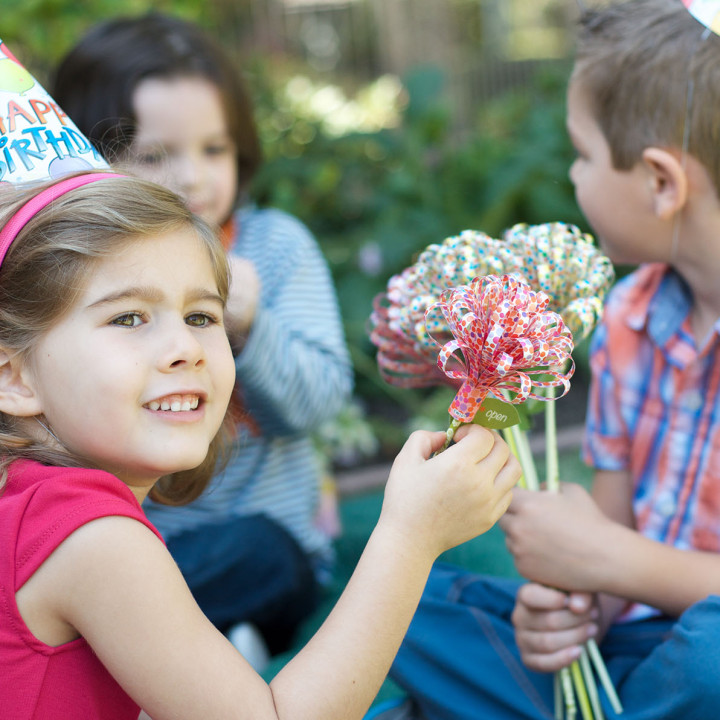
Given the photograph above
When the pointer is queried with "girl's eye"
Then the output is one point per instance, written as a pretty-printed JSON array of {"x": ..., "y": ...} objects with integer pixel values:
[
  {"x": 200, "y": 319},
  {"x": 131, "y": 319}
]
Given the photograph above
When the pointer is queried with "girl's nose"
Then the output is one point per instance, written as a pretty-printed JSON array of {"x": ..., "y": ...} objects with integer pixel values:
[{"x": 182, "y": 350}]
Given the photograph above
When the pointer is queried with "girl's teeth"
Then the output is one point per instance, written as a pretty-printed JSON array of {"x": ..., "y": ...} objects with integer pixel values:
[{"x": 175, "y": 403}]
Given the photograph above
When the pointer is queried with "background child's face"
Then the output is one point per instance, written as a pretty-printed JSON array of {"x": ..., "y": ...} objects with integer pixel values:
[
  {"x": 616, "y": 203},
  {"x": 145, "y": 334},
  {"x": 182, "y": 142}
]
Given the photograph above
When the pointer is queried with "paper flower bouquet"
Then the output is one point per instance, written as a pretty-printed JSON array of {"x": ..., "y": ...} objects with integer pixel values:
[
  {"x": 497, "y": 317},
  {"x": 554, "y": 258}
]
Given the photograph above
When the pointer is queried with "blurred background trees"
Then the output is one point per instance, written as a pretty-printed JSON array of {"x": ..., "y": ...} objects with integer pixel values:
[{"x": 387, "y": 125}]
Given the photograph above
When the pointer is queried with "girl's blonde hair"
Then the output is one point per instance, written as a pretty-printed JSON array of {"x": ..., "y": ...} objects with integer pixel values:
[{"x": 45, "y": 271}]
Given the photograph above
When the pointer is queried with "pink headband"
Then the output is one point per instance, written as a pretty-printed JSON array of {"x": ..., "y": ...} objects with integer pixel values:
[{"x": 18, "y": 221}]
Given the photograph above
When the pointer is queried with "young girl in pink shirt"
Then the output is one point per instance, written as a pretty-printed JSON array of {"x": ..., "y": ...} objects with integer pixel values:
[{"x": 115, "y": 375}]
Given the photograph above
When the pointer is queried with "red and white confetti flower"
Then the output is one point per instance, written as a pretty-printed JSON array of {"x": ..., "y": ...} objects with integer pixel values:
[{"x": 505, "y": 341}]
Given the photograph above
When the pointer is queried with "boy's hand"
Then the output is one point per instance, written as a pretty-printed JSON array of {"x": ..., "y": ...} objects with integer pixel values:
[
  {"x": 440, "y": 502},
  {"x": 551, "y": 626},
  {"x": 557, "y": 539}
]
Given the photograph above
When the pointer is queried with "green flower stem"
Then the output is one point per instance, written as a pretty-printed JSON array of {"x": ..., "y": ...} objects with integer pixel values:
[
  {"x": 449, "y": 434},
  {"x": 581, "y": 691},
  {"x": 521, "y": 448},
  {"x": 552, "y": 472},
  {"x": 524, "y": 455},
  {"x": 568, "y": 693},
  {"x": 591, "y": 685},
  {"x": 509, "y": 438},
  {"x": 558, "y": 693},
  {"x": 602, "y": 672}
]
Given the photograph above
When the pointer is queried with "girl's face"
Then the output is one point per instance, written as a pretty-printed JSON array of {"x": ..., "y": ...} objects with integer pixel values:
[
  {"x": 182, "y": 142},
  {"x": 136, "y": 377}
]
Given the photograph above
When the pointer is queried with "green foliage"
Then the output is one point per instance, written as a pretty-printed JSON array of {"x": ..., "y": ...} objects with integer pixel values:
[
  {"x": 375, "y": 200},
  {"x": 39, "y": 32}
]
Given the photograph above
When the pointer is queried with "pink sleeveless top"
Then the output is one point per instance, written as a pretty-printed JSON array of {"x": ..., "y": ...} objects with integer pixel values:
[{"x": 40, "y": 507}]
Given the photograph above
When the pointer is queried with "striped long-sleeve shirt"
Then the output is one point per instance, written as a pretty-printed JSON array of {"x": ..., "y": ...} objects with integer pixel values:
[
  {"x": 655, "y": 409},
  {"x": 293, "y": 373}
]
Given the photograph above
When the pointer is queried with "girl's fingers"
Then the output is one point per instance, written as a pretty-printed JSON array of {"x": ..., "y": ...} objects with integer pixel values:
[
  {"x": 422, "y": 443},
  {"x": 475, "y": 439},
  {"x": 509, "y": 474},
  {"x": 472, "y": 440}
]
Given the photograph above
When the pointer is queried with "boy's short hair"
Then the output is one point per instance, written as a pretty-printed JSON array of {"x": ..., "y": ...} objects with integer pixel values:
[{"x": 636, "y": 62}]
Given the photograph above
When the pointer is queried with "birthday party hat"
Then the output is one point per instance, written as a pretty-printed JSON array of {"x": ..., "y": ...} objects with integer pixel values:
[
  {"x": 38, "y": 141},
  {"x": 705, "y": 11}
]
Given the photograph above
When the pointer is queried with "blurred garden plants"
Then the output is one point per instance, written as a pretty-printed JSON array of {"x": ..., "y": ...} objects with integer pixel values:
[
  {"x": 378, "y": 171},
  {"x": 383, "y": 173}
]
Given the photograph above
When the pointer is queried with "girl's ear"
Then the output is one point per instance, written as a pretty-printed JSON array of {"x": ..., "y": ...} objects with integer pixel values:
[
  {"x": 17, "y": 396},
  {"x": 669, "y": 181}
]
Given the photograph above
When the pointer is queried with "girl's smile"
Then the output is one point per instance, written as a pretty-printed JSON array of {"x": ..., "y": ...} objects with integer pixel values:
[{"x": 175, "y": 403}]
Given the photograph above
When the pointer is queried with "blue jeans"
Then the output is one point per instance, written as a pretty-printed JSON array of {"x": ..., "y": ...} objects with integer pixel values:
[
  {"x": 460, "y": 661},
  {"x": 248, "y": 569}
]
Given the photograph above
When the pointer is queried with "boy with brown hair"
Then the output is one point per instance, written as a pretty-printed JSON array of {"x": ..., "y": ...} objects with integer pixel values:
[{"x": 636, "y": 563}]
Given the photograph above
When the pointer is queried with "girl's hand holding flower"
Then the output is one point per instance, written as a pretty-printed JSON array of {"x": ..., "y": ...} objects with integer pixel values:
[{"x": 478, "y": 472}]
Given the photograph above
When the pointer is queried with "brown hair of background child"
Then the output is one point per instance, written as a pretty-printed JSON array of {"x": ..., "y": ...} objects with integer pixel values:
[{"x": 99, "y": 95}]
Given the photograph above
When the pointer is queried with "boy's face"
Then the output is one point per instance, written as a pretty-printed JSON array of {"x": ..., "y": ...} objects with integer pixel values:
[
  {"x": 616, "y": 203},
  {"x": 136, "y": 377}
]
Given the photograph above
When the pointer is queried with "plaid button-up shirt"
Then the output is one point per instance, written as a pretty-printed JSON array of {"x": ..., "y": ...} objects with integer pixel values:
[{"x": 655, "y": 409}]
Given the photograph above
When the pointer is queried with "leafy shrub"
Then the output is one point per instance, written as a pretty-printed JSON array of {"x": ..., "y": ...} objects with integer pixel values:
[{"x": 375, "y": 199}]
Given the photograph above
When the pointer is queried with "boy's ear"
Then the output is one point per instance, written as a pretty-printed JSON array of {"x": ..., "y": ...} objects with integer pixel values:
[
  {"x": 17, "y": 397},
  {"x": 669, "y": 182}
]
